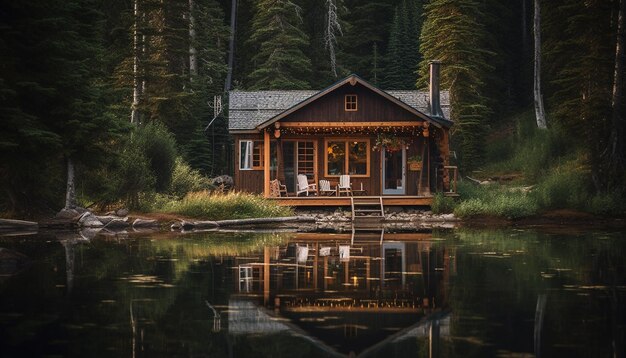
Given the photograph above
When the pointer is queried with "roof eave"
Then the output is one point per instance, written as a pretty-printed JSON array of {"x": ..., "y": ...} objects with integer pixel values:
[{"x": 340, "y": 83}]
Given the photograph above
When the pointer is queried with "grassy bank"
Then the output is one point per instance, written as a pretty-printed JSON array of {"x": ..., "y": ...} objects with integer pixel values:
[
  {"x": 543, "y": 171},
  {"x": 222, "y": 206}
]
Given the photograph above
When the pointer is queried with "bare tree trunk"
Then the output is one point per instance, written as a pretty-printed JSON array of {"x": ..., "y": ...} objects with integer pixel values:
[
  {"x": 617, "y": 130},
  {"x": 134, "y": 108},
  {"x": 539, "y": 316},
  {"x": 330, "y": 35},
  {"x": 231, "y": 46},
  {"x": 539, "y": 111},
  {"x": 70, "y": 192},
  {"x": 193, "y": 60}
]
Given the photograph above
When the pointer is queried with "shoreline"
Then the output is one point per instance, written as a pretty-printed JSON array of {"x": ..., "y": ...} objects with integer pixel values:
[{"x": 310, "y": 220}]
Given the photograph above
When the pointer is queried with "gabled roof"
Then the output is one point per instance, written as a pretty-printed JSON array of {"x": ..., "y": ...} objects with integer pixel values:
[{"x": 250, "y": 111}]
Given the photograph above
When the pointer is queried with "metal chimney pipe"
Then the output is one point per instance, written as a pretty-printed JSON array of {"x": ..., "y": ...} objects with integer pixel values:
[{"x": 435, "y": 100}]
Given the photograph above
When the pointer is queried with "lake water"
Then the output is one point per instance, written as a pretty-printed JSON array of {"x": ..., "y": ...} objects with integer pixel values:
[{"x": 434, "y": 293}]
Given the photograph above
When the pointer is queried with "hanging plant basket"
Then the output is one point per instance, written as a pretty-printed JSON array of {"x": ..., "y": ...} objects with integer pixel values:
[
  {"x": 415, "y": 163},
  {"x": 390, "y": 142}
]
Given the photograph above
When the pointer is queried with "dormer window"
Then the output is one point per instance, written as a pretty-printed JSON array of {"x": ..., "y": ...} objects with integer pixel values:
[{"x": 351, "y": 103}]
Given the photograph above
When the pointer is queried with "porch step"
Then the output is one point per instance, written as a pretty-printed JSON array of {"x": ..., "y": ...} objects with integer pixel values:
[{"x": 364, "y": 207}]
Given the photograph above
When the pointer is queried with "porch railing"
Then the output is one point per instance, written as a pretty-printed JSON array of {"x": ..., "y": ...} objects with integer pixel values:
[{"x": 450, "y": 178}]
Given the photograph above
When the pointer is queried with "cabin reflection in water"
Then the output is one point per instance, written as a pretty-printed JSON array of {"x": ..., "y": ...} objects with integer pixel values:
[{"x": 347, "y": 290}]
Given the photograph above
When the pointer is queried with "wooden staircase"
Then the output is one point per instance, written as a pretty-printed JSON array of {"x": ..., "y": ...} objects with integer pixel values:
[{"x": 370, "y": 208}]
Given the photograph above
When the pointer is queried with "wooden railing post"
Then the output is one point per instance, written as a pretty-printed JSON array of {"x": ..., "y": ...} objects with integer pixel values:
[{"x": 266, "y": 164}]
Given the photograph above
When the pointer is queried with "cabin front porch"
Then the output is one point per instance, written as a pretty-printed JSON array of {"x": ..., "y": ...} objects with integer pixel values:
[{"x": 332, "y": 201}]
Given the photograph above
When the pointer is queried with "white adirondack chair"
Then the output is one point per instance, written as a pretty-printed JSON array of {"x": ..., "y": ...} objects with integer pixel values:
[
  {"x": 344, "y": 185},
  {"x": 325, "y": 188},
  {"x": 304, "y": 186}
]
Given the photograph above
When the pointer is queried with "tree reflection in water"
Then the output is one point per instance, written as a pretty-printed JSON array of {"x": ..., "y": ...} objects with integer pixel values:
[{"x": 459, "y": 293}]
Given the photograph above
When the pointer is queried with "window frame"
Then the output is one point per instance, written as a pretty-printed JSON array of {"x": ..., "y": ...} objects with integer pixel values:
[
  {"x": 347, "y": 104},
  {"x": 257, "y": 150},
  {"x": 346, "y": 164}
]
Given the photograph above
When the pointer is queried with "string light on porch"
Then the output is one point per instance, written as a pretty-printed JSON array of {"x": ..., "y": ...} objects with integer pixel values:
[{"x": 356, "y": 130}]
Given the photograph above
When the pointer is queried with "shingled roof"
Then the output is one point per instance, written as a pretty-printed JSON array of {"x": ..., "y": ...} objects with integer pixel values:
[{"x": 249, "y": 109}]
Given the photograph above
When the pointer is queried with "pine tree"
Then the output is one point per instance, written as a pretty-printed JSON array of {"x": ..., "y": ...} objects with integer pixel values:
[
  {"x": 211, "y": 36},
  {"x": 453, "y": 32},
  {"x": 366, "y": 23},
  {"x": 280, "y": 62},
  {"x": 579, "y": 51},
  {"x": 314, "y": 16},
  {"x": 324, "y": 48},
  {"x": 60, "y": 101},
  {"x": 403, "y": 54}
]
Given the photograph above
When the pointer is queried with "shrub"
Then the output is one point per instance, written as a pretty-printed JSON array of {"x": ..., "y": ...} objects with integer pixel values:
[
  {"x": 133, "y": 175},
  {"x": 186, "y": 180},
  {"x": 563, "y": 187},
  {"x": 442, "y": 204},
  {"x": 159, "y": 147},
  {"x": 232, "y": 205},
  {"x": 607, "y": 204}
]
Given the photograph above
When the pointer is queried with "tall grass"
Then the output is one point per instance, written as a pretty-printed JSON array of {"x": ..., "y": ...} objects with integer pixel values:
[
  {"x": 494, "y": 200},
  {"x": 219, "y": 206},
  {"x": 549, "y": 162},
  {"x": 528, "y": 150},
  {"x": 442, "y": 204}
]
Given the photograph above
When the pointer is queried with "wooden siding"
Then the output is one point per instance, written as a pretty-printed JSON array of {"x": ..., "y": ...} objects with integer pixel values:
[
  {"x": 247, "y": 180},
  {"x": 371, "y": 108},
  {"x": 252, "y": 180}
]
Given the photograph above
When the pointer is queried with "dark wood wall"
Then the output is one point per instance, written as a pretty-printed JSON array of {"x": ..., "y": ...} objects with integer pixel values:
[
  {"x": 247, "y": 180},
  {"x": 372, "y": 107},
  {"x": 252, "y": 180}
]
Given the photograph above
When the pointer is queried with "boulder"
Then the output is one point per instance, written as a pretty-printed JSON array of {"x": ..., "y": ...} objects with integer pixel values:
[
  {"x": 121, "y": 212},
  {"x": 106, "y": 218},
  {"x": 223, "y": 181},
  {"x": 143, "y": 223},
  {"x": 117, "y": 224},
  {"x": 68, "y": 214},
  {"x": 88, "y": 219}
]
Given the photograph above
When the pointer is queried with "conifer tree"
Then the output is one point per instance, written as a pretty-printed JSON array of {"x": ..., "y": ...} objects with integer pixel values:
[
  {"x": 366, "y": 24},
  {"x": 57, "y": 114},
  {"x": 314, "y": 16},
  {"x": 458, "y": 40},
  {"x": 580, "y": 75},
  {"x": 403, "y": 53},
  {"x": 210, "y": 42},
  {"x": 280, "y": 61}
]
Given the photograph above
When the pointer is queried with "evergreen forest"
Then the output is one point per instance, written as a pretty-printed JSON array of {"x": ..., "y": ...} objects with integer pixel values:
[{"x": 128, "y": 98}]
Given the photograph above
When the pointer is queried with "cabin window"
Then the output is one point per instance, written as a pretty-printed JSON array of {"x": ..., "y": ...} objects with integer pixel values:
[
  {"x": 250, "y": 155},
  {"x": 351, "y": 102},
  {"x": 347, "y": 156}
]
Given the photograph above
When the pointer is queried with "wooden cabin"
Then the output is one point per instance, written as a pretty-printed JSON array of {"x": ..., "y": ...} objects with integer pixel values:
[{"x": 392, "y": 144}]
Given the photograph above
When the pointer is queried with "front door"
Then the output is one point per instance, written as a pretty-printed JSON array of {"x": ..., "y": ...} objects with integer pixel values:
[
  {"x": 394, "y": 172},
  {"x": 298, "y": 158}
]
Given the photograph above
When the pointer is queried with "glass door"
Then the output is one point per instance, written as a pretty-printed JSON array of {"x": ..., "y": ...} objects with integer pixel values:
[{"x": 394, "y": 172}]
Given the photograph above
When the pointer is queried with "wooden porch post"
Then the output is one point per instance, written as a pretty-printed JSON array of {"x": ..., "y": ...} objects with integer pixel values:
[
  {"x": 445, "y": 150},
  {"x": 424, "y": 176},
  {"x": 266, "y": 164}
]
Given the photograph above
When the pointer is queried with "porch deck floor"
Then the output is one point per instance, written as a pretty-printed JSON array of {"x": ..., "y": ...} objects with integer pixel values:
[{"x": 388, "y": 200}]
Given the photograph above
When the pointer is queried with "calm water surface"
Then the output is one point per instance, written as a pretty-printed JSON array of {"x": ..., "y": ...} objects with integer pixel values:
[{"x": 457, "y": 293}]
